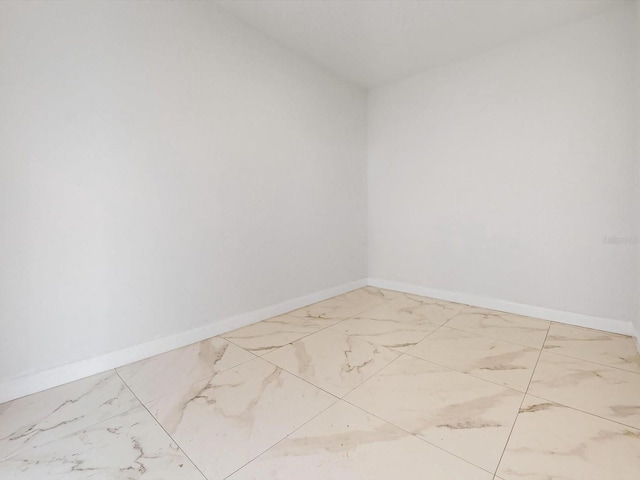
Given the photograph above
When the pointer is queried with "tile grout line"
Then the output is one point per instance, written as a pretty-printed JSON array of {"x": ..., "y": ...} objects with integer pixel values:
[
  {"x": 447, "y": 368},
  {"x": 515, "y": 420},
  {"x": 543, "y": 346},
  {"x": 339, "y": 320},
  {"x": 162, "y": 427},
  {"x": 401, "y": 354},
  {"x": 414, "y": 435},
  {"x": 300, "y": 378},
  {"x": 552, "y": 321},
  {"x": 395, "y": 349},
  {"x": 589, "y": 361},
  {"x": 337, "y": 399},
  {"x": 584, "y": 411},
  {"x": 369, "y": 378},
  {"x": 464, "y": 373},
  {"x": 111, "y": 371},
  {"x": 500, "y": 339},
  {"x": 478, "y": 335},
  {"x": 540, "y": 350},
  {"x": 200, "y": 379},
  {"x": 343, "y": 399}
]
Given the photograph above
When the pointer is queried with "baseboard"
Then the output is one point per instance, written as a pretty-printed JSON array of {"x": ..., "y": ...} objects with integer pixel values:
[
  {"x": 635, "y": 333},
  {"x": 570, "y": 318},
  {"x": 54, "y": 377}
]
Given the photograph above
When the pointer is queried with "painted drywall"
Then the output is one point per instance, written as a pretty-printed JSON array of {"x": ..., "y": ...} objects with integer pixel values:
[
  {"x": 636, "y": 322},
  {"x": 503, "y": 176},
  {"x": 163, "y": 167}
]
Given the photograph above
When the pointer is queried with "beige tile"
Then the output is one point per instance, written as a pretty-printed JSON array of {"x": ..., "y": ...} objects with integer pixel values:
[
  {"x": 427, "y": 305},
  {"x": 370, "y": 296},
  {"x": 128, "y": 446},
  {"x": 265, "y": 336},
  {"x": 345, "y": 443},
  {"x": 332, "y": 360},
  {"x": 418, "y": 310},
  {"x": 550, "y": 441},
  {"x": 347, "y": 305},
  {"x": 395, "y": 334},
  {"x": 500, "y": 362},
  {"x": 159, "y": 375},
  {"x": 335, "y": 310},
  {"x": 52, "y": 414},
  {"x": 593, "y": 345},
  {"x": 525, "y": 331},
  {"x": 466, "y": 416},
  {"x": 605, "y": 391},
  {"x": 223, "y": 423},
  {"x": 400, "y": 323}
]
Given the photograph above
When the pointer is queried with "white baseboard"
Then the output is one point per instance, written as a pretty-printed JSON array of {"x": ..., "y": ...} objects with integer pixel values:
[
  {"x": 53, "y": 377},
  {"x": 577, "y": 319},
  {"x": 635, "y": 333}
]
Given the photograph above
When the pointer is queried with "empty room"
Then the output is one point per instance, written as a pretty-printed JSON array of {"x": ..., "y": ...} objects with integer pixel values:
[{"x": 320, "y": 239}]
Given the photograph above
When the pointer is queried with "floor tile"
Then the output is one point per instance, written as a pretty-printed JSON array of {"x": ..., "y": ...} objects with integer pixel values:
[
  {"x": 332, "y": 360},
  {"x": 370, "y": 296},
  {"x": 464, "y": 415},
  {"x": 550, "y": 441},
  {"x": 328, "y": 310},
  {"x": 429, "y": 378},
  {"x": 500, "y": 362},
  {"x": 347, "y": 305},
  {"x": 128, "y": 446},
  {"x": 605, "y": 391},
  {"x": 345, "y": 443},
  {"x": 223, "y": 423},
  {"x": 415, "y": 309},
  {"x": 55, "y": 413},
  {"x": 400, "y": 323},
  {"x": 265, "y": 336},
  {"x": 526, "y": 331},
  {"x": 156, "y": 376},
  {"x": 395, "y": 334},
  {"x": 593, "y": 345}
]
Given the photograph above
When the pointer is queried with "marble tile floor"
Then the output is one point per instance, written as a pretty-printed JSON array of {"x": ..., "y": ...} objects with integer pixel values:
[{"x": 372, "y": 384}]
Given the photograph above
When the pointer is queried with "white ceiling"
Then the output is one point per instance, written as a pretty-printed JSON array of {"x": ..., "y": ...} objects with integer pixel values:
[{"x": 372, "y": 42}]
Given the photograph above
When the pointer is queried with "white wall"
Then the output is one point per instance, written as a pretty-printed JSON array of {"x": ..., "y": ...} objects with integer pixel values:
[
  {"x": 637, "y": 218},
  {"x": 163, "y": 167},
  {"x": 499, "y": 176}
]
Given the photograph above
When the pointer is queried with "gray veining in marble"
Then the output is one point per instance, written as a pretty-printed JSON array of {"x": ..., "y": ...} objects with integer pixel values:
[
  {"x": 52, "y": 414},
  {"x": 553, "y": 441},
  {"x": 237, "y": 414},
  {"x": 372, "y": 384},
  {"x": 345, "y": 443},
  {"x": 156, "y": 376},
  {"x": 128, "y": 446}
]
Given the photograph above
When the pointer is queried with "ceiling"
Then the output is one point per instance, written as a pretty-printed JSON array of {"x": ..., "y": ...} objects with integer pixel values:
[{"x": 371, "y": 42}]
